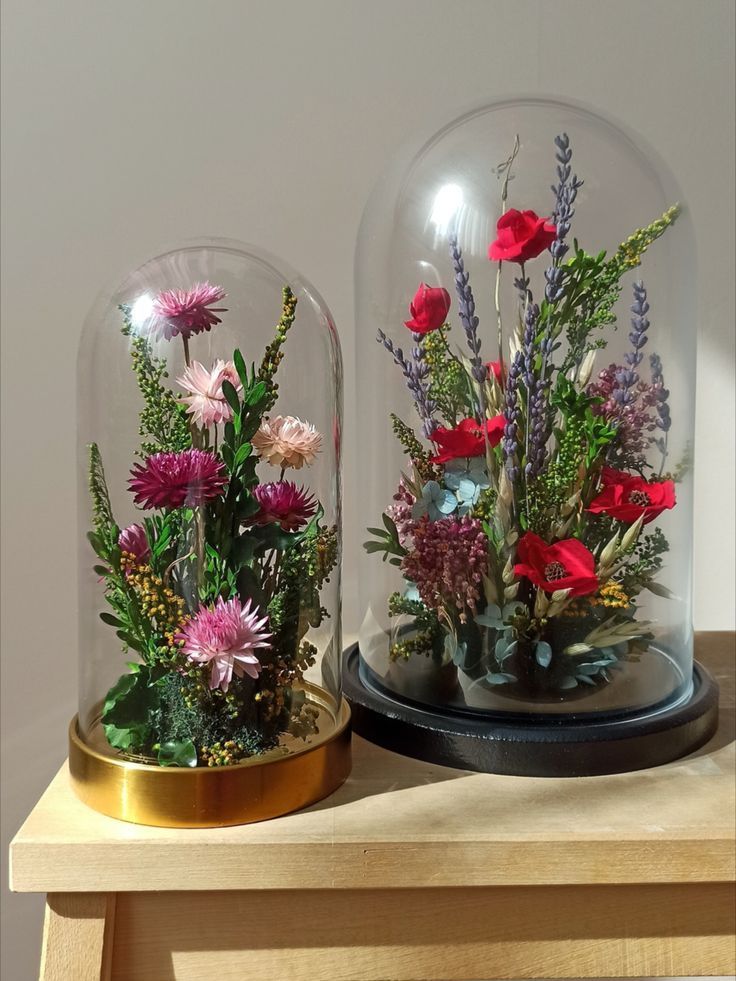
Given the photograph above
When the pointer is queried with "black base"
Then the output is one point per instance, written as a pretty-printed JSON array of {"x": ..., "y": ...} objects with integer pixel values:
[{"x": 531, "y": 747}]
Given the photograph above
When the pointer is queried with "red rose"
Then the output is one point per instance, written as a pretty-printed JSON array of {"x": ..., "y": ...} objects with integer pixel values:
[
  {"x": 494, "y": 368},
  {"x": 428, "y": 309},
  {"x": 627, "y": 497},
  {"x": 564, "y": 565},
  {"x": 467, "y": 438},
  {"x": 521, "y": 235}
]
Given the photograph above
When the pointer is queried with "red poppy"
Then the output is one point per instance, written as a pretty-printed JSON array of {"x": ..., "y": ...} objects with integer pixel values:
[
  {"x": 428, "y": 309},
  {"x": 627, "y": 497},
  {"x": 467, "y": 438},
  {"x": 521, "y": 235},
  {"x": 494, "y": 368},
  {"x": 564, "y": 565}
]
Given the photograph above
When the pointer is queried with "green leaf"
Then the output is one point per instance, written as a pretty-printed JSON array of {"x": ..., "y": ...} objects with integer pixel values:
[
  {"x": 112, "y": 621},
  {"x": 243, "y": 549},
  {"x": 177, "y": 753},
  {"x": 256, "y": 394},
  {"x": 127, "y": 710},
  {"x": 101, "y": 570},
  {"x": 543, "y": 654},
  {"x": 242, "y": 454},
  {"x": 500, "y": 678},
  {"x": 240, "y": 368},
  {"x": 231, "y": 396}
]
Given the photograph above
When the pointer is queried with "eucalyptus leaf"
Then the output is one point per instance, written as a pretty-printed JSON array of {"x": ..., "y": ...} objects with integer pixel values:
[
  {"x": 500, "y": 678},
  {"x": 543, "y": 654}
]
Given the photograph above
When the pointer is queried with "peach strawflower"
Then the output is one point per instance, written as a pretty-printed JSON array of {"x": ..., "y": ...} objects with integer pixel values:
[
  {"x": 206, "y": 403},
  {"x": 286, "y": 441}
]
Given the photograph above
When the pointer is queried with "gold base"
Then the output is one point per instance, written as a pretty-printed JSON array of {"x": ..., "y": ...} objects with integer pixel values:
[{"x": 211, "y": 797}]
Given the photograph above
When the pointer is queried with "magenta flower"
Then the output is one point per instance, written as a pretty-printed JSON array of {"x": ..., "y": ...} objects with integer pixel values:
[
  {"x": 133, "y": 541},
  {"x": 205, "y": 402},
  {"x": 187, "y": 312},
  {"x": 285, "y": 504},
  {"x": 175, "y": 480},
  {"x": 225, "y": 636}
]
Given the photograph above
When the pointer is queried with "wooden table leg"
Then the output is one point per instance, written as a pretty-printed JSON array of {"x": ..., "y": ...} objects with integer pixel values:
[{"x": 77, "y": 936}]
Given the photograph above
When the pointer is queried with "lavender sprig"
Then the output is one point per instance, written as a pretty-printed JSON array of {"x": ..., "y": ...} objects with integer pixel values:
[
  {"x": 512, "y": 414},
  {"x": 415, "y": 373},
  {"x": 662, "y": 394},
  {"x": 565, "y": 191},
  {"x": 536, "y": 389},
  {"x": 466, "y": 311},
  {"x": 627, "y": 377}
]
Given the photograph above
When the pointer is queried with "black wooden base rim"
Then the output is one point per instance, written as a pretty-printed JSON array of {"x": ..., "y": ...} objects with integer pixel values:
[{"x": 527, "y": 747}]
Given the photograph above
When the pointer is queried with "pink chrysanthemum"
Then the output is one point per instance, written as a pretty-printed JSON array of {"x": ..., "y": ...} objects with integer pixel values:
[
  {"x": 187, "y": 312},
  {"x": 206, "y": 403},
  {"x": 286, "y": 441},
  {"x": 225, "y": 636},
  {"x": 175, "y": 480},
  {"x": 133, "y": 541},
  {"x": 284, "y": 503}
]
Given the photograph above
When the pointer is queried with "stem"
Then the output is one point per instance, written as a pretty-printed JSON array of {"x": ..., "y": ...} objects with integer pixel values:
[
  {"x": 199, "y": 545},
  {"x": 505, "y": 168},
  {"x": 185, "y": 342}
]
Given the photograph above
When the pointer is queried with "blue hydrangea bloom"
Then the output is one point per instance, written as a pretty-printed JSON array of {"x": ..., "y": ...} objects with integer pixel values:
[{"x": 436, "y": 502}]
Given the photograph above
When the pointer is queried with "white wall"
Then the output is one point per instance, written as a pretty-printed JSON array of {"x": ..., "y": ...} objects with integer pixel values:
[{"x": 133, "y": 125}]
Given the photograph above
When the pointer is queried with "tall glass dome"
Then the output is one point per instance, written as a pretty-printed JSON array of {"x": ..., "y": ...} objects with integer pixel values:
[
  {"x": 209, "y": 433},
  {"x": 526, "y": 329}
]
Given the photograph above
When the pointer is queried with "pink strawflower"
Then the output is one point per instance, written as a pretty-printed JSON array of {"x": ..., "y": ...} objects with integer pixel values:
[
  {"x": 400, "y": 513},
  {"x": 225, "y": 636},
  {"x": 187, "y": 312},
  {"x": 447, "y": 562},
  {"x": 175, "y": 480},
  {"x": 206, "y": 403},
  {"x": 284, "y": 503},
  {"x": 286, "y": 441},
  {"x": 133, "y": 540}
]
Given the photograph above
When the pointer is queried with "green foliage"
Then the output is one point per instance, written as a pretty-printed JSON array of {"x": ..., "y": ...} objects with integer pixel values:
[
  {"x": 413, "y": 448},
  {"x": 163, "y": 423},
  {"x": 102, "y": 516},
  {"x": 386, "y": 540},
  {"x": 646, "y": 562},
  {"x": 274, "y": 355},
  {"x": 629, "y": 253},
  {"x": 448, "y": 380},
  {"x": 126, "y": 715}
]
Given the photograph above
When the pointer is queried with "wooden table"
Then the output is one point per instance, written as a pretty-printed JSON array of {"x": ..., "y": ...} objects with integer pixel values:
[{"x": 410, "y": 871}]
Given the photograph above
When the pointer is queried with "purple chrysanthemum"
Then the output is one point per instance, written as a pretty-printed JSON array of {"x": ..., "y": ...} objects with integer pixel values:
[
  {"x": 175, "y": 480},
  {"x": 225, "y": 636},
  {"x": 133, "y": 540},
  {"x": 186, "y": 312},
  {"x": 285, "y": 504}
]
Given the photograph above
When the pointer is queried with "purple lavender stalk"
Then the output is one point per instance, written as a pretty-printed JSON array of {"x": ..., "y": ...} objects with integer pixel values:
[
  {"x": 662, "y": 394},
  {"x": 627, "y": 377},
  {"x": 415, "y": 373},
  {"x": 466, "y": 310},
  {"x": 536, "y": 393},
  {"x": 565, "y": 191},
  {"x": 512, "y": 414}
]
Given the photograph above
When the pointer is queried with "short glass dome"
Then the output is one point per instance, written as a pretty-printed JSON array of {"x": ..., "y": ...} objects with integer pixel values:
[
  {"x": 209, "y": 425},
  {"x": 527, "y": 420}
]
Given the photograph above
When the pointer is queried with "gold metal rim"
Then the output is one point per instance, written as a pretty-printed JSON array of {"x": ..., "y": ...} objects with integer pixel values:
[{"x": 210, "y": 797}]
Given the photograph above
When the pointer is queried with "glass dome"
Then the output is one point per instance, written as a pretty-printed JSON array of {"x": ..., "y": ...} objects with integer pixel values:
[
  {"x": 527, "y": 420},
  {"x": 209, "y": 433}
]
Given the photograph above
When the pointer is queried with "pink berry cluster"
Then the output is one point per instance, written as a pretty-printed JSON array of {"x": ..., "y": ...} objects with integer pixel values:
[{"x": 448, "y": 561}]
